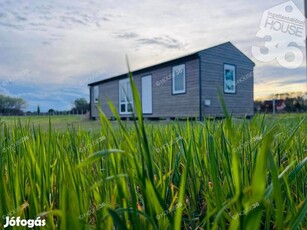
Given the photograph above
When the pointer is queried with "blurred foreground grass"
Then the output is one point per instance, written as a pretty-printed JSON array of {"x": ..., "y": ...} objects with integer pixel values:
[{"x": 229, "y": 174}]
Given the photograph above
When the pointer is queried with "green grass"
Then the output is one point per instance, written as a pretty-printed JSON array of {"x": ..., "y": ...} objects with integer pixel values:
[
  {"x": 230, "y": 174},
  {"x": 60, "y": 122}
]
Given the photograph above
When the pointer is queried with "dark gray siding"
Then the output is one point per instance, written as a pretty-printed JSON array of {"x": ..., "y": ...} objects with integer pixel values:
[
  {"x": 212, "y": 68},
  {"x": 107, "y": 91},
  {"x": 164, "y": 103}
]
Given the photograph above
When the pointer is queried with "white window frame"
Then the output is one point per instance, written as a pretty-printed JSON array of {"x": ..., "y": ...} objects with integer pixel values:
[
  {"x": 176, "y": 69},
  {"x": 96, "y": 94},
  {"x": 127, "y": 87}
]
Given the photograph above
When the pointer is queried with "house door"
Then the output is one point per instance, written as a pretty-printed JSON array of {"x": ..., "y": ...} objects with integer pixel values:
[{"x": 147, "y": 94}]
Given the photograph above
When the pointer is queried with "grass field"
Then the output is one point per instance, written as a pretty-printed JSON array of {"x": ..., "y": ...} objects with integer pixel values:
[
  {"x": 229, "y": 174},
  {"x": 58, "y": 122}
]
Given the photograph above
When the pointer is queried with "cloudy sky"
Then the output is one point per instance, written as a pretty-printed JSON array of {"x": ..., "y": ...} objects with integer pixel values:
[{"x": 51, "y": 50}]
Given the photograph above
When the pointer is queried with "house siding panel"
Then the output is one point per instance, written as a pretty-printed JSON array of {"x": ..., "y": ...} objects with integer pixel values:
[
  {"x": 212, "y": 66},
  {"x": 164, "y": 103},
  {"x": 107, "y": 91}
]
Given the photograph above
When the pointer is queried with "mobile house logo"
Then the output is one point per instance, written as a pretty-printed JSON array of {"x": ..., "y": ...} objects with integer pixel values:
[{"x": 283, "y": 30}]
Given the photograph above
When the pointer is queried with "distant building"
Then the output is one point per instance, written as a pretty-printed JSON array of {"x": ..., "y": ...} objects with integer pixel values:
[
  {"x": 280, "y": 105},
  {"x": 186, "y": 87}
]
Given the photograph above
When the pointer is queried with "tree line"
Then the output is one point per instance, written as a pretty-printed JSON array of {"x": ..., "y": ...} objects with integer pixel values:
[
  {"x": 11, "y": 105},
  {"x": 297, "y": 104},
  {"x": 80, "y": 106}
]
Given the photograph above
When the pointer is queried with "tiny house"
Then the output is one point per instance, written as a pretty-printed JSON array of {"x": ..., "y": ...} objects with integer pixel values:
[{"x": 186, "y": 87}]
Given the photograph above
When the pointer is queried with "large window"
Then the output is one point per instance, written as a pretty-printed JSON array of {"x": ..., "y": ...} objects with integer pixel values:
[
  {"x": 96, "y": 94},
  {"x": 179, "y": 79},
  {"x": 229, "y": 78},
  {"x": 125, "y": 97}
]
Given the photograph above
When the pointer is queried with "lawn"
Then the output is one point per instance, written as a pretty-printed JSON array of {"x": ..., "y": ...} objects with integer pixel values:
[
  {"x": 58, "y": 122},
  {"x": 72, "y": 173}
]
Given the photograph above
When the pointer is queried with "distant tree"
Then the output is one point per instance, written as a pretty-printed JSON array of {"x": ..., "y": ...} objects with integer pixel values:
[
  {"x": 51, "y": 111},
  {"x": 11, "y": 106},
  {"x": 38, "y": 110},
  {"x": 258, "y": 106},
  {"x": 81, "y": 105}
]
